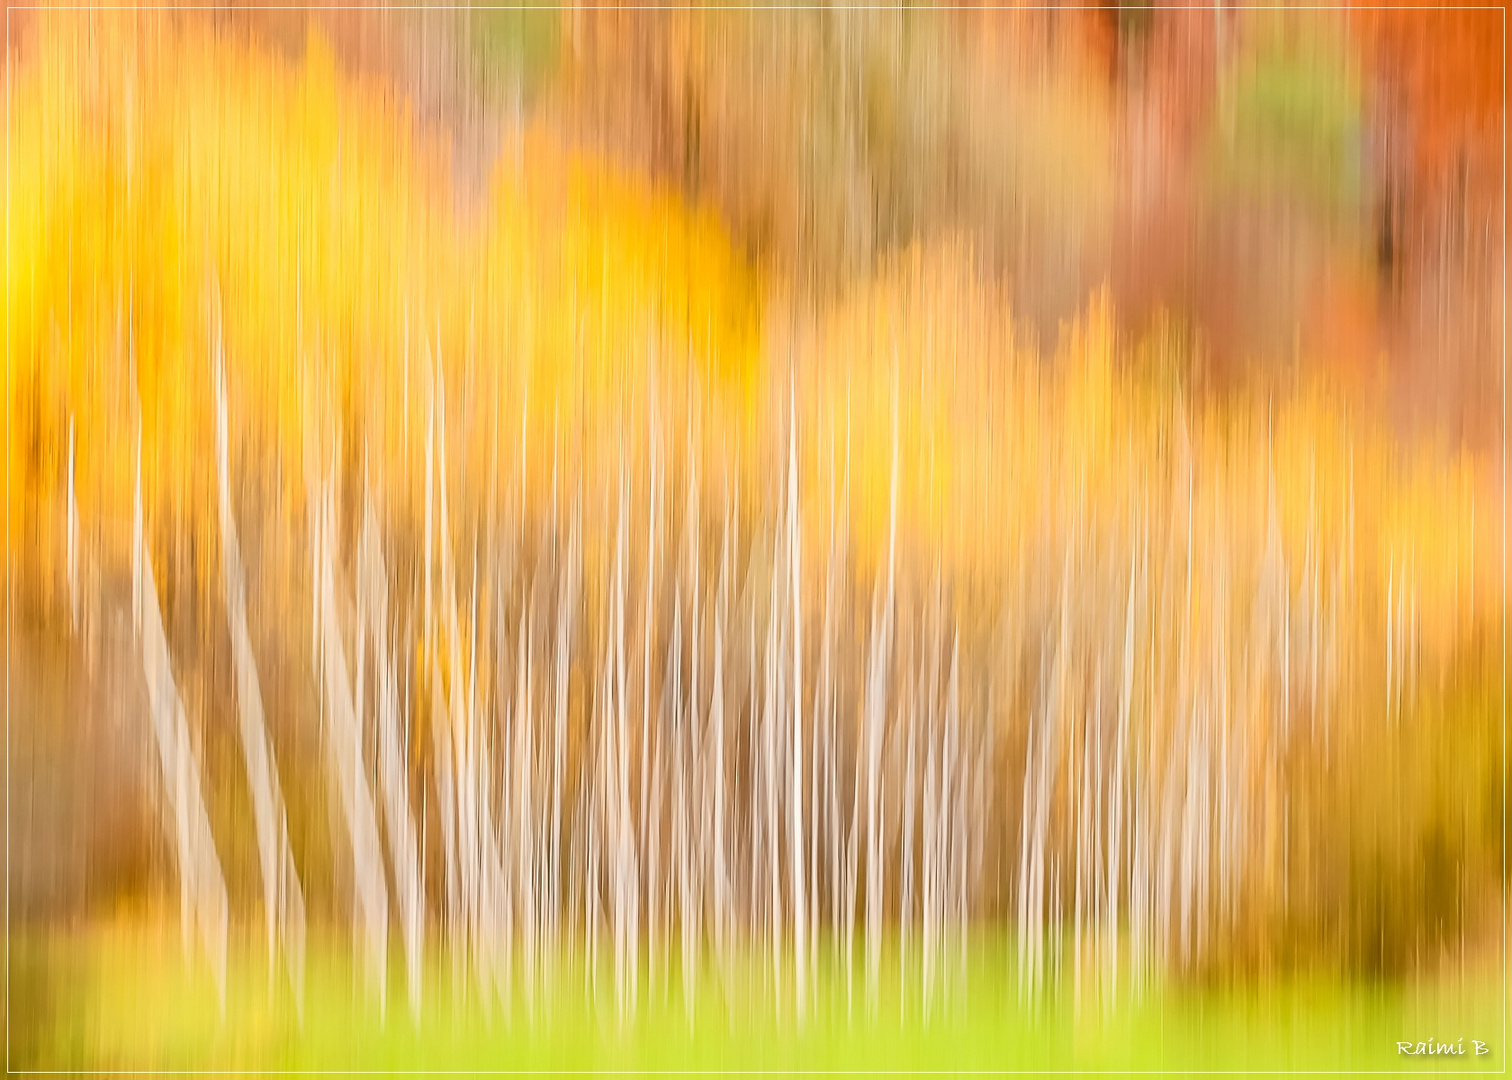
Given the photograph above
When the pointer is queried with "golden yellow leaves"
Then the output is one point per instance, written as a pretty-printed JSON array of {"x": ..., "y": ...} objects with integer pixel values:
[
  {"x": 160, "y": 171},
  {"x": 158, "y": 176}
]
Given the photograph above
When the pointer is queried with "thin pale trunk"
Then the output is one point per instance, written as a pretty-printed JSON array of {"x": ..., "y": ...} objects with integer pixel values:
[
  {"x": 906, "y": 897},
  {"x": 525, "y": 816},
  {"x": 344, "y": 745},
  {"x": 771, "y": 778},
  {"x": 877, "y": 671},
  {"x": 203, "y": 901},
  {"x": 722, "y": 900},
  {"x": 932, "y": 850},
  {"x": 403, "y": 846},
  {"x": 626, "y": 915},
  {"x": 283, "y": 900},
  {"x": 648, "y": 629},
  {"x": 566, "y": 609},
  {"x": 798, "y": 884}
]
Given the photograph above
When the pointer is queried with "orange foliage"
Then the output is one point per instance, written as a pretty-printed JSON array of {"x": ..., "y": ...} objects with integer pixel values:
[{"x": 1442, "y": 74}]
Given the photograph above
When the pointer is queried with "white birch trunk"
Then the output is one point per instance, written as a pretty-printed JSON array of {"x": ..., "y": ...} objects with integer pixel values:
[
  {"x": 283, "y": 900},
  {"x": 202, "y": 888}
]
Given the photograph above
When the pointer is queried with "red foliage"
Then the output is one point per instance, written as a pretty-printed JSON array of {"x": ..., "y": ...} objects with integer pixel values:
[{"x": 1436, "y": 79}]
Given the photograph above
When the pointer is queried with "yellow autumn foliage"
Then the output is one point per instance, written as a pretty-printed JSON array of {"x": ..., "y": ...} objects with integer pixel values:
[
  {"x": 1224, "y": 565},
  {"x": 306, "y": 221}
]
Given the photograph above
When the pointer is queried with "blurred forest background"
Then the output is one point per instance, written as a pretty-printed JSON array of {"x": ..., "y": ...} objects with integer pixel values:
[
  {"x": 1279, "y": 183},
  {"x": 911, "y": 471}
]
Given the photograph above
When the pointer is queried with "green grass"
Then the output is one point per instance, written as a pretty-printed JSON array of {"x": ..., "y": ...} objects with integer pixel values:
[{"x": 126, "y": 999}]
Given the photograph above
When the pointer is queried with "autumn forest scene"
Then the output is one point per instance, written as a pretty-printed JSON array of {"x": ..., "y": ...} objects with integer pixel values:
[{"x": 568, "y": 538}]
